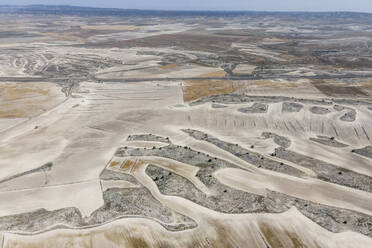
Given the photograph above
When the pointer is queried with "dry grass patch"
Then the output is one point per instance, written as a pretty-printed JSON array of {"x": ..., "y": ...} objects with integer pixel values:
[
  {"x": 288, "y": 57},
  {"x": 280, "y": 239},
  {"x": 273, "y": 40},
  {"x": 170, "y": 66},
  {"x": 364, "y": 83},
  {"x": 127, "y": 165},
  {"x": 19, "y": 100},
  {"x": 195, "y": 89},
  {"x": 114, "y": 163},
  {"x": 11, "y": 92},
  {"x": 280, "y": 84},
  {"x": 220, "y": 73}
]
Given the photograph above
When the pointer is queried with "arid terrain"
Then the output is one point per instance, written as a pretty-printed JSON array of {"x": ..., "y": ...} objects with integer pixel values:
[{"x": 185, "y": 129}]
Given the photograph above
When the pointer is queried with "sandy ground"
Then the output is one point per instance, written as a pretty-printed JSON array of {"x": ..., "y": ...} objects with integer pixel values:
[
  {"x": 238, "y": 231},
  {"x": 80, "y": 141},
  {"x": 80, "y": 133}
]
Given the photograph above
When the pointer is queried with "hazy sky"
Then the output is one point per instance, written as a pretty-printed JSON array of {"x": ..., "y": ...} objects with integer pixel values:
[{"x": 279, "y": 5}]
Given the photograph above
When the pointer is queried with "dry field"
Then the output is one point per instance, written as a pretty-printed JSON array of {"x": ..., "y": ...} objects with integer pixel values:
[
  {"x": 20, "y": 100},
  {"x": 198, "y": 132}
]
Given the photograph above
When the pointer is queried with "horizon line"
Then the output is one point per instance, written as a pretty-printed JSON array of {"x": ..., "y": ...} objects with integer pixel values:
[{"x": 186, "y": 10}]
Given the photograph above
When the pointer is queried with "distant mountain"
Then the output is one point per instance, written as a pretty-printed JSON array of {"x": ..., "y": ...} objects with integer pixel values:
[{"x": 76, "y": 10}]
